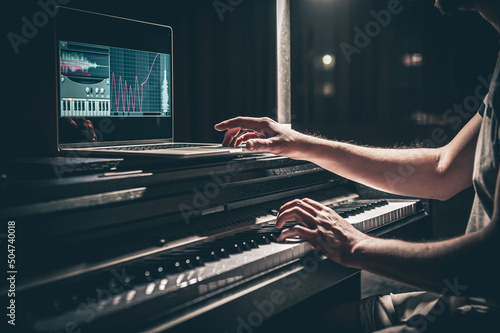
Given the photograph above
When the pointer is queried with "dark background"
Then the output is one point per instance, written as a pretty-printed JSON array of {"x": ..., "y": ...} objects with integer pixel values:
[{"x": 224, "y": 68}]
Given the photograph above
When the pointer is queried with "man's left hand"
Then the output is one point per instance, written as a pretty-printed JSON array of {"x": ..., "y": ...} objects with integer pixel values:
[{"x": 322, "y": 227}]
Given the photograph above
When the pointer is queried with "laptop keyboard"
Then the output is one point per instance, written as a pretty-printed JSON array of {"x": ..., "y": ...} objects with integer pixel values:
[{"x": 156, "y": 147}]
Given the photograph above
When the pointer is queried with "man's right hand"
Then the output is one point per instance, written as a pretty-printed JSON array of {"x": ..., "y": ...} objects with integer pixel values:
[{"x": 266, "y": 135}]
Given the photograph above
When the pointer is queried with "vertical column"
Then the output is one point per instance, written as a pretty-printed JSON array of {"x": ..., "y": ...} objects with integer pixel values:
[{"x": 284, "y": 65}]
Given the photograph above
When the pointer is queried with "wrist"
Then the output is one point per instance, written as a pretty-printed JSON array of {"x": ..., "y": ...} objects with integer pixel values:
[{"x": 359, "y": 251}]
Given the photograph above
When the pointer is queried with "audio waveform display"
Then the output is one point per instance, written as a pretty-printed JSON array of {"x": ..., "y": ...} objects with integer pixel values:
[
  {"x": 84, "y": 64},
  {"x": 139, "y": 82},
  {"x": 99, "y": 80}
]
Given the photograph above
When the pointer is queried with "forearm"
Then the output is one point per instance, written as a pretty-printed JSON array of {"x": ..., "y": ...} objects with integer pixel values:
[
  {"x": 429, "y": 173},
  {"x": 409, "y": 172},
  {"x": 432, "y": 266}
]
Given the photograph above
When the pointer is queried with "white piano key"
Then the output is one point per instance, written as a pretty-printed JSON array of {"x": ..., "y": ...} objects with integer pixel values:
[{"x": 381, "y": 215}]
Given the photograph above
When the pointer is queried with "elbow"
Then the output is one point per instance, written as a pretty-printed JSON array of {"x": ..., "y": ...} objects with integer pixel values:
[
  {"x": 442, "y": 182},
  {"x": 443, "y": 197},
  {"x": 444, "y": 191}
]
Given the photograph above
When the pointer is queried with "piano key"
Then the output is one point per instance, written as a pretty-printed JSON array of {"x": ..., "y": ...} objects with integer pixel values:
[
  {"x": 206, "y": 255},
  {"x": 385, "y": 213},
  {"x": 261, "y": 239},
  {"x": 184, "y": 284},
  {"x": 219, "y": 251},
  {"x": 235, "y": 246},
  {"x": 247, "y": 242},
  {"x": 194, "y": 259},
  {"x": 270, "y": 235}
]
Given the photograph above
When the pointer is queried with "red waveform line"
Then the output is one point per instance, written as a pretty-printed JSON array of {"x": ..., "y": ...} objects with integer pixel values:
[
  {"x": 129, "y": 98},
  {"x": 74, "y": 66},
  {"x": 83, "y": 73},
  {"x": 98, "y": 58}
]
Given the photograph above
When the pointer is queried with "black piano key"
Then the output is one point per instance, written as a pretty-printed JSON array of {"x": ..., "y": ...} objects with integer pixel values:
[
  {"x": 240, "y": 242},
  {"x": 350, "y": 211},
  {"x": 172, "y": 267},
  {"x": 270, "y": 235},
  {"x": 262, "y": 240},
  {"x": 253, "y": 244},
  {"x": 244, "y": 245},
  {"x": 381, "y": 203},
  {"x": 194, "y": 259},
  {"x": 219, "y": 251},
  {"x": 186, "y": 264},
  {"x": 142, "y": 273},
  {"x": 230, "y": 247},
  {"x": 247, "y": 243},
  {"x": 369, "y": 207},
  {"x": 274, "y": 212},
  {"x": 206, "y": 255},
  {"x": 169, "y": 260},
  {"x": 261, "y": 231}
]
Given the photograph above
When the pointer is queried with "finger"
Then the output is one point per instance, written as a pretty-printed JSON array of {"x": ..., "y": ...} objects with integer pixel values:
[
  {"x": 320, "y": 207},
  {"x": 230, "y": 134},
  {"x": 72, "y": 122},
  {"x": 236, "y": 138},
  {"x": 245, "y": 123},
  {"x": 295, "y": 231},
  {"x": 299, "y": 203},
  {"x": 244, "y": 138},
  {"x": 260, "y": 145},
  {"x": 314, "y": 203},
  {"x": 298, "y": 214}
]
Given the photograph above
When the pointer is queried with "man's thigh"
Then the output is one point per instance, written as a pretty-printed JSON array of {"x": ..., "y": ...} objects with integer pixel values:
[{"x": 422, "y": 312}]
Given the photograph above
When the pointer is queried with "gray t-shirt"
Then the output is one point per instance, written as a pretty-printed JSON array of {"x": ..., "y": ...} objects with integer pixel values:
[
  {"x": 487, "y": 158},
  {"x": 486, "y": 164}
]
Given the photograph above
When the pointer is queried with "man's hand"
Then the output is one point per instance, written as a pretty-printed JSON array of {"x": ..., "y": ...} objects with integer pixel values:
[
  {"x": 264, "y": 134},
  {"x": 80, "y": 128},
  {"x": 322, "y": 227}
]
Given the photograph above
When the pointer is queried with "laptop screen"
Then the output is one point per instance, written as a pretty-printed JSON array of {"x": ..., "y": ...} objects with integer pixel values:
[{"x": 114, "y": 79}]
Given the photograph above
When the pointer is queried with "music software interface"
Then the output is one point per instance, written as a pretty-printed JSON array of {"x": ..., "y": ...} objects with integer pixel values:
[{"x": 102, "y": 81}]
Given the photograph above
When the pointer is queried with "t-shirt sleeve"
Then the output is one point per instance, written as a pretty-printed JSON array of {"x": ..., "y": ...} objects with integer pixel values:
[
  {"x": 481, "y": 109},
  {"x": 483, "y": 106}
]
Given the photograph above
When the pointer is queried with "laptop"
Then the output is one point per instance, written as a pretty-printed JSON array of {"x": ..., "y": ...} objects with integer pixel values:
[{"x": 115, "y": 89}]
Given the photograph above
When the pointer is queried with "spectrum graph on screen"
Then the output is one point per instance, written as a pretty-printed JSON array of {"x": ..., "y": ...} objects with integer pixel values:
[{"x": 98, "y": 81}]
